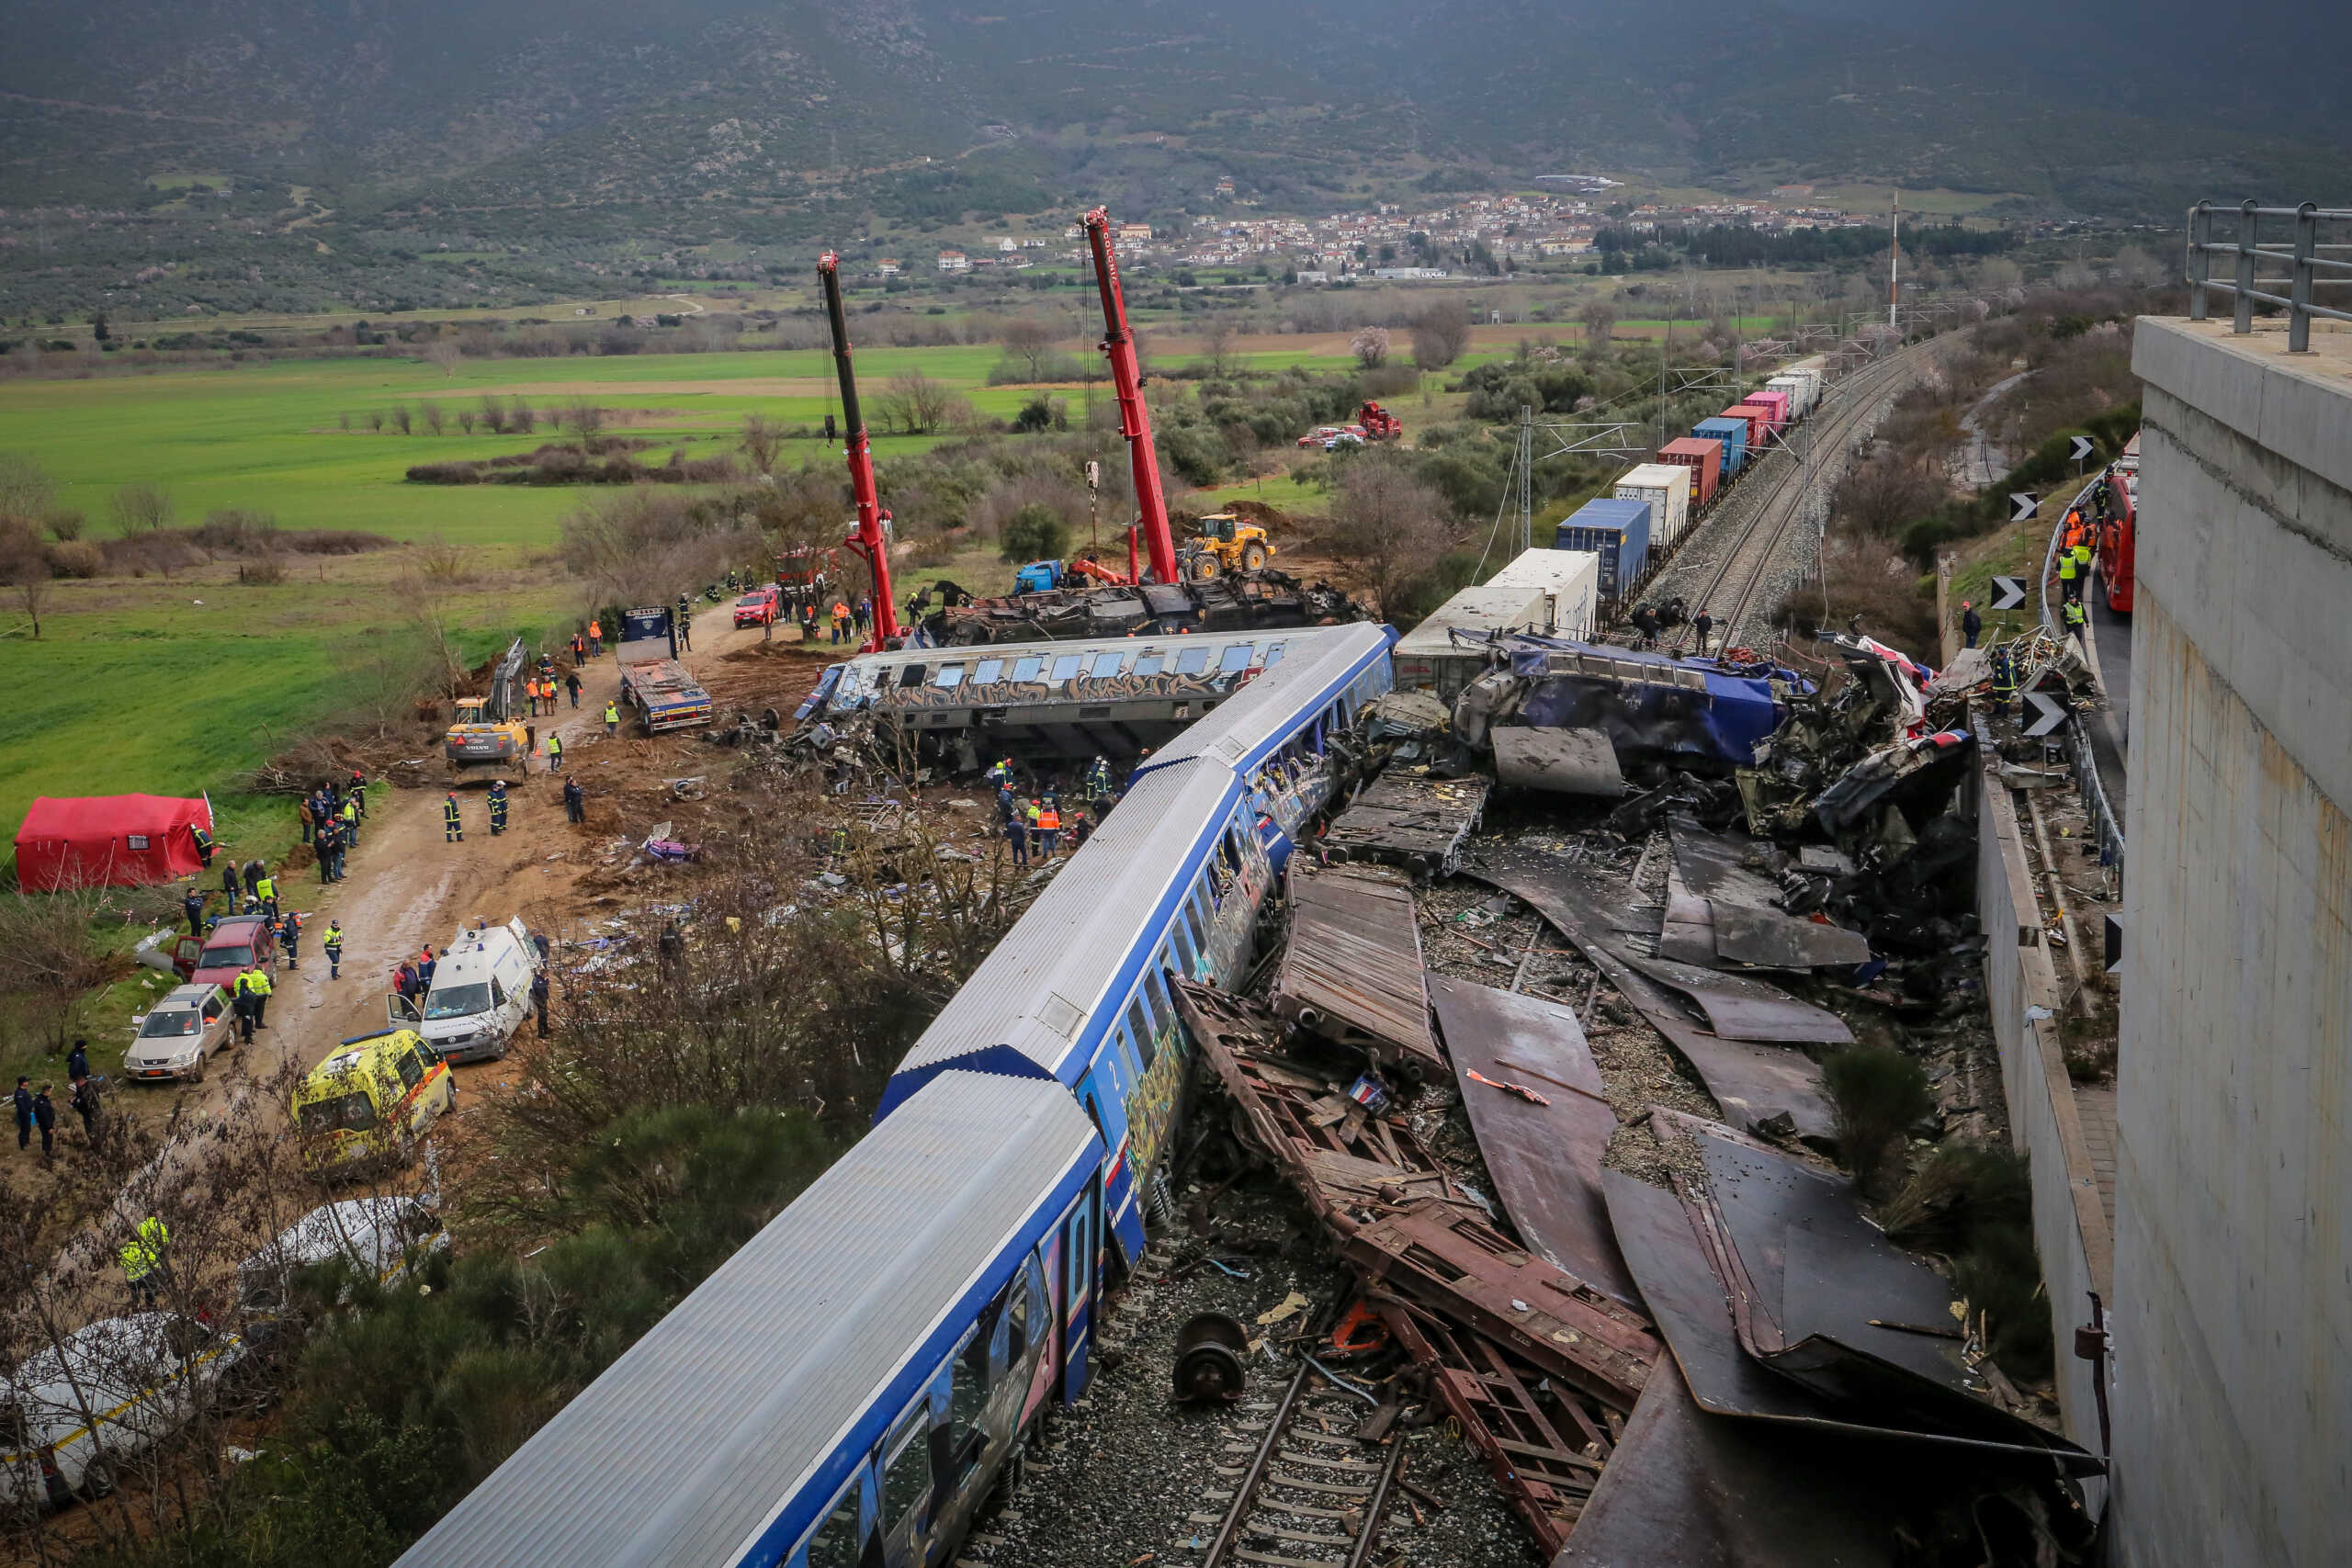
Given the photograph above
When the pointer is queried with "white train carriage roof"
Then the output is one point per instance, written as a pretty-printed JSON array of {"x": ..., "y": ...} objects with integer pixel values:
[
  {"x": 772, "y": 1379},
  {"x": 1317, "y": 664},
  {"x": 872, "y": 673},
  {"x": 1082, "y": 944}
]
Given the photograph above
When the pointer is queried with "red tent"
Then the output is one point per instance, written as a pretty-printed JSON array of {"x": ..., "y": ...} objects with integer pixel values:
[{"x": 116, "y": 841}]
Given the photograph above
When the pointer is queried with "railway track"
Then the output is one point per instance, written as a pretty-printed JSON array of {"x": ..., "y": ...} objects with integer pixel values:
[
  {"x": 1747, "y": 563},
  {"x": 1308, "y": 1492}
]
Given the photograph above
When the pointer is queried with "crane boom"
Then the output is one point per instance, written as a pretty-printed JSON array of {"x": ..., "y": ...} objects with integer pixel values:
[
  {"x": 868, "y": 541},
  {"x": 1134, "y": 419}
]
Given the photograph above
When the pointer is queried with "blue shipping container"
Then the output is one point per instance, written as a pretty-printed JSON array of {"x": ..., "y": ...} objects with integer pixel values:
[
  {"x": 1616, "y": 531},
  {"x": 1733, "y": 433}
]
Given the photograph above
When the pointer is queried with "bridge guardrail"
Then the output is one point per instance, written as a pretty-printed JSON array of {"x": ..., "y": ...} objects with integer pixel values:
[{"x": 2301, "y": 256}]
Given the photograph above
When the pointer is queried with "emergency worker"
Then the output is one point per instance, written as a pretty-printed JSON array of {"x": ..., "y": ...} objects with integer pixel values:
[
  {"x": 497, "y": 808},
  {"x": 143, "y": 1259},
  {"x": 332, "y": 942},
  {"x": 453, "y": 829}
]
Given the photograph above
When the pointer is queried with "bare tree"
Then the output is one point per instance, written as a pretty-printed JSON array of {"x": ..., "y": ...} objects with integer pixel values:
[
  {"x": 437, "y": 418},
  {"x": 762, "y": 441},
  {"x": 142, "y": 509},
  {"x": 1600, "y": 319},
  {"x": 1391, "y": 526},
  {"x": 1370, "y": 346},
  {"x": 494, "y": 414},
  {"x": 447, "y": 353},
  {"x": 637, "y": 546},
  {"x": 1883, "y": 494},
  {"x": 466, "y": 418},
  {"x": 24, "y": 566},
  {"x": 26, "y": 489},
  {"x": 1030, "y": 343},
  {"x": 1441, "y": 335},
  {"x": 1216, "y": 343},
  {"x": 918, "y": 404},
  {"x": 586, "y": 419},
  {"x": 402, "y": 420}
]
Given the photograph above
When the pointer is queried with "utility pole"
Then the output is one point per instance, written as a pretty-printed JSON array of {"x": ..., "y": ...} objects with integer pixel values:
[
  {"x": 1526, "y": 467},
  {"x": 1895, "y": 262}
]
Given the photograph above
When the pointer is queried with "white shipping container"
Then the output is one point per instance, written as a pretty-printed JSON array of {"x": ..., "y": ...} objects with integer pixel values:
[
  {"x": 1554, "y": 592},
  {"x": 1570, "y": 582},
  {"x": 1803, "y": 386},
  {"x": 1666, "y": 487}
]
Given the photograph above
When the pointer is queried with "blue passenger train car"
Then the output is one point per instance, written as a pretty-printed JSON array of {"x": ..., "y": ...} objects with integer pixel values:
[{"x": 839, "y": 1393}]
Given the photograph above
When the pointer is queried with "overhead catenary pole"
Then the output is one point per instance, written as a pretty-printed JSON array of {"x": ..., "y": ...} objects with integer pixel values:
[
  {"x": 1894, "y": 264},
  {"x": 869, "y": 540},
  {"x": 1134, "y": 419}
]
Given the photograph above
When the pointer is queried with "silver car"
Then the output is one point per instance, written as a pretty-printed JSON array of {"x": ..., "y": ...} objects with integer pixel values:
[{"x": 182, "y": 1030}]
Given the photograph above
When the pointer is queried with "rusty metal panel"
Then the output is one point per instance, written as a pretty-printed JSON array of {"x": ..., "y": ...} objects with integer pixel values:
[
  {"x": 1455, "y": 1264},
  {"x": 1746, "y": 924},
  {"x": 1743, "y": 1008},
  {"x": 1545, "y": 1159},
  {"x": 1543, "y": 1473},
  {"x": 1753, "y": 1084},
  {"x": 1352, "y": 969},
  {"x": 1412, "y": 821}
]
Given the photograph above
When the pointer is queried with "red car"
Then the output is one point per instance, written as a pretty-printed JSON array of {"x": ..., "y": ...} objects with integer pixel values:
[
  {"x": 232, "y": 946},
  {"x": 760, "y": 607}
]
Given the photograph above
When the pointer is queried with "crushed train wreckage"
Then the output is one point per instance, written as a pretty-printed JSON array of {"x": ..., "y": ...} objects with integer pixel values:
[{"x": 1260, "y": 600}]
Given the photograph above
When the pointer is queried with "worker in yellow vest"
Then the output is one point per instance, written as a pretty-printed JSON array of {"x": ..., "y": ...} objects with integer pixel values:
[
  {"x": 143, "y": 1259},
  {"x": 612, "y": 718}
]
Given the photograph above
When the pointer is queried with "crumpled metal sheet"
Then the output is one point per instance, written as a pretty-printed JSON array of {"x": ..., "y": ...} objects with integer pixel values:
[
  {"x": 1741, "y": 1009},
  {"x": 1681, "y": 1286},
  {"x": 1545, "y": 1159},
  {"x": 1409, "y": 818},
  {"x": 1560, "y": 761},
  {"x": 1753, "y": 1084},
  {"x": 1746, "y": 923}
]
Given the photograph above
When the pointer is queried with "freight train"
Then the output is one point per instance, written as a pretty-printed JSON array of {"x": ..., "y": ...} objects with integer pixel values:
[
  {"x": 1652, "y": 508},
  {"x": 844, "y": 1391}
]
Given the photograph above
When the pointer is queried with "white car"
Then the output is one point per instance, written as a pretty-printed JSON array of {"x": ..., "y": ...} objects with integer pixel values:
[
  {"x": 382, "y": 1237},
  {"x": 75, "y": 1417},
  {"x": 178, "y": 1033}
]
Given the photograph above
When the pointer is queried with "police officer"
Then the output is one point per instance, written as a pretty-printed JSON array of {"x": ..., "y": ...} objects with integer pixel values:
[
  {"x": 332, "y": 942},
  {"x": 575, "y": 803},
  {"x": 497, "y": 808},
  {"x": 453, "y": 830},
  {"x": 330, "y": 833},
  {"x": 194, "y": 904}
]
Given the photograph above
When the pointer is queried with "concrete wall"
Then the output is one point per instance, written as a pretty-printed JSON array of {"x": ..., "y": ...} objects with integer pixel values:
[
  {"x": 2233, "y": 1189},
  {"x": 2070, "y": 1232}
]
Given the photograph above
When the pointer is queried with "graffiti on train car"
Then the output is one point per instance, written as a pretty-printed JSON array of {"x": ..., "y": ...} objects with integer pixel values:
[{"x": 1151, "y": 1108}]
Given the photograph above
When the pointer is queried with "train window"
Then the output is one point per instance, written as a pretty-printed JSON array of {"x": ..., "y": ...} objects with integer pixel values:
[
  {"x": 967, "y": 1397},
  {"x": 1065, "y": 666},
  {"x": 986, "y": 671},
  {"x": 1273, "y": 654},
  {"x": 906, "y": 1481},
  {"x": 1139, "y": 1031},
  {"x": 1082, "y": 1262},
  {"x": 839, "y": 1542},
  {"x": 1026, "y": 669},
  {"x": 1017, "y": 1322},
  {"x": 1186, "y": 949},
  {"x": 1192, "y": 660},
  {"x": 1155, "y": 986},
  {"x": 910, "y": 675},
  {"x": 1150, "y": 661},
  {"x": 1198, "y": 926},
  {"x": 1237, "y": 657},
  {"x": 1105, "y": 665},
  {"x": 950, "y": 675}
]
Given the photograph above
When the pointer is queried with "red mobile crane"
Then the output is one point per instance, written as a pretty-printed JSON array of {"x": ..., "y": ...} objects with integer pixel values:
[
  {"x": 1134, "y": 421},
  {"x": 868, "y": 541}
]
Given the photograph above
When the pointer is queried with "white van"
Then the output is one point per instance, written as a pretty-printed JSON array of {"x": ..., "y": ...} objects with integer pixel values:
[
  {"x": 481, "y": 995},
  {"x": 382, "y": 1236},
  {"x": 75, "y": 1415}
]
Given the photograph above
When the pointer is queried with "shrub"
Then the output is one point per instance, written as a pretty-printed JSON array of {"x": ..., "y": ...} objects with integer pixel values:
[
  {"x": 71, "y": 558},
  {"x": 65, "y": 526},
  {"x": 1877, "y": 1093},
  {"x": 1033, "y": 533}
]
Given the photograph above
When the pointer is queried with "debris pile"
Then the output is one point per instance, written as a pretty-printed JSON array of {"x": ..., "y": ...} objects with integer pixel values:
[{"x": 1232, "y": 602}]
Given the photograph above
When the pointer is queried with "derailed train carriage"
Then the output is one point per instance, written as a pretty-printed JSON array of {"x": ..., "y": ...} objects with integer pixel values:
[{"x": 842, "y": 1392}]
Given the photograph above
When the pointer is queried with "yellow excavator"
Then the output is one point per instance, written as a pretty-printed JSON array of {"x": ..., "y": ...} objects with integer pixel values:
[
  {"x": 487, "y": 740},
  {"x": 1225, "y": 542}
]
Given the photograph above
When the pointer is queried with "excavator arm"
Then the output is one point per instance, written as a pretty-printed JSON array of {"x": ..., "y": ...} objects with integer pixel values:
[
  {"x": 1134, "y": 419},
  {"x": 868, "y": 541}
]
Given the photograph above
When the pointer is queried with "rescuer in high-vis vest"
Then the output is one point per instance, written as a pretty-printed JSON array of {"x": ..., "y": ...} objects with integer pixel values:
[
  {"x": 2082, "y": 553},
  {"x": 143, "y": 1259}
]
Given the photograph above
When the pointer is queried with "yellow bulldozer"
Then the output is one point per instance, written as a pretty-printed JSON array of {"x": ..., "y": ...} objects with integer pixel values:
[
  {"x": 487, "y": 740},
  {"x": 1225, "y": 542}
]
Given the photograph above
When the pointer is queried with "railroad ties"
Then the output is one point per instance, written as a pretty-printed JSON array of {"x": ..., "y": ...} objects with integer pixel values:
[{"x": 1308, "y": 1486}]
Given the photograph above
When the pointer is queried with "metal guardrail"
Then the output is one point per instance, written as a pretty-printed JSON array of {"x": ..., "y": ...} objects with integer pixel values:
[
  {"x": 2078, "y": 736},
  {"x": 2300, "y": 256}
]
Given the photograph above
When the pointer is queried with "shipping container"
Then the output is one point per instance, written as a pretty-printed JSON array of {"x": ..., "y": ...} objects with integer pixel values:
[
  {"x": 1619, "y": 533},
  {"x": 1732, "y": 434},
  {"x": 1554, "y": 592},
  {"x": 1804, "y": 387},
  {"x": 1704, "y": 458},
  {"x": 1777, "y": 401},
  {"x": 1758, "y": 420},
  {"x": 1666, "y": 487}
]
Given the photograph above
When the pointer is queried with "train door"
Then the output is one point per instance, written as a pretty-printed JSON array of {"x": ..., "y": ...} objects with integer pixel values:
[{"x": 1080, "y": 1239}]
